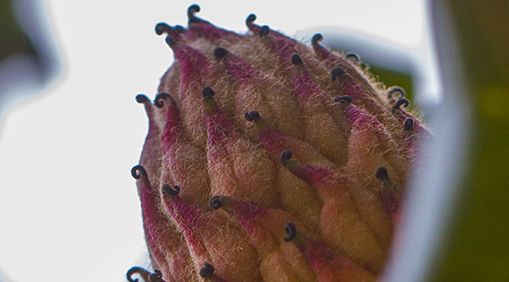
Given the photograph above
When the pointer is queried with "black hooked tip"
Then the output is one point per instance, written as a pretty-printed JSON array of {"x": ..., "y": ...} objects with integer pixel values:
[
  {"x": 136, "y": 270},
  {"x": 396, "y": 90},
  {"x": 264, "y": 30},
  {"x": 220, "y": 53},
  {"x": 141, "y": 98},
  {"x": 161, "y": 28},
  {"x": 336, "y": 72},
  {"x": 290, "y": 231},
  {"x": 401, "y": 102},
  {"x": 286, "y": 155},
  {"x": 353, "y": 57},
  {"x": 315, "y": 40},
  {"x": 382, "y": 174},
  {"x": 252, "y": 116},
  {"x": 250, "y": 19},
  {"x": 208, "y": 92},
  {"x": 161, "y": 98},
  {"x": 138, "y": 171},
  {"x": 157, "y": 276},
  {"x": 207, "y": 270},
  {"x": 296, "y": 60},
  {"x": 409, "y": 124},
  {"x": 345, "y": 99},
  {"x": 216, "y": 202},
  {"x": 171, "y": 192},
  {"x": 191, "y": 13}
]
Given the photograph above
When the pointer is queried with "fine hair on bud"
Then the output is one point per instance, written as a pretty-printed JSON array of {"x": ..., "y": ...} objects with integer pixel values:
[{"x": 269, "y": 159}]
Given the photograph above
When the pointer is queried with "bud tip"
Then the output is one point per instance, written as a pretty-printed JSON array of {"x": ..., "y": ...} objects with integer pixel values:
[
  {"x": 264, "y": 30},
  {"x": 215, "y": 202},
  {"x": 336, "y": 72},
  {"x": 160, "y": 99},
  {"x": 208, "y": 92},
  {"x": 286, "y": 156},
  {"x": 141, "y": 98},
  {"x": 401, "y": 102},
  {"x": 382, "y": 174},
  {"x": 138, "y": 171},
  {"x": 207, "y": 270},
  {"x": 290, "y": 231},
  {"x": 345, "y": 99},
  {"x": 220, "y": 53},
  {"x": 409, "y": 124},
  {"x": 353, "y": 57},
  {"x": 296, "y": 60},
  {"x": 169, "y": 191},
  {"x": 317, "y": 37},
  {"x": 250, "y": 19},
  {"x": 252, "y": 116}
]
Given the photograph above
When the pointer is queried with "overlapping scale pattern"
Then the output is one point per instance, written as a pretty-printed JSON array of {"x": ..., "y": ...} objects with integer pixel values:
[{"x": 267, "y": 159}]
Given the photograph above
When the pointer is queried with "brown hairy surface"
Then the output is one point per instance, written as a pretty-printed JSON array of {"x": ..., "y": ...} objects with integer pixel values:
[{"x": 269, "y": 159}]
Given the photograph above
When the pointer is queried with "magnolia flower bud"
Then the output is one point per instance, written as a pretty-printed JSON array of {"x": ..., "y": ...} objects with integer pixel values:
[{"x": 270, "y": 160}]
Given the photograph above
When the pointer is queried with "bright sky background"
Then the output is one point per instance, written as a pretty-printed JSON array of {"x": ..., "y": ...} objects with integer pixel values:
[{"x": 69, "y": 210}]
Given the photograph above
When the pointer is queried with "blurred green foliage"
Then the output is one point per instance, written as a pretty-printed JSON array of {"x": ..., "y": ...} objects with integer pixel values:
[
  {"x": 478, "y": 249},
  {"x": 12, "y": 40}
]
